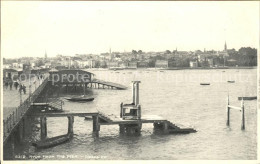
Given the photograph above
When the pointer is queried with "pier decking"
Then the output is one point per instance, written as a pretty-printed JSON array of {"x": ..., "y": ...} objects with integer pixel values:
[
  {"x": 102, "y": 84},
  {"x": 100, "y": 118},
  {"x": 15, "y": 114}
]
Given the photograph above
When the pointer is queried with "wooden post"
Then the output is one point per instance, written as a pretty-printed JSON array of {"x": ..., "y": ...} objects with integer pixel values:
[
  {"x": 70, "y": 124},
  {"x": 133, "y": 93},
  {"x": 228, "y": 111},
  {"x": 96, "y": 125},
  {"x": 139, "y": 112},
  {"x": 243, "y": 115},
  {"x": 137, "y": 93},
  {"x": 12, "y": 145},
  {"x": 121, "y": 110},
  {"x": 165, "y": 128},
  {"x": 121, "y": 128},
  {"x": 84, "y": 89},
  {"x": 43, "y": 128},
  {"x": 21, "y": 131}
]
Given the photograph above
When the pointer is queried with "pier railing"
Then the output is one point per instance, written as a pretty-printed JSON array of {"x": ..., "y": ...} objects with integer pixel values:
[{"x": 14, "y": 118}]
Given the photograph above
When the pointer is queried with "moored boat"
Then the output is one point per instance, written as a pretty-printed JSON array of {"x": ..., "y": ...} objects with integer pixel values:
[
  {"x": 80, "y": 99},
  {"x": 50, "y": 142},
  {"x": 231, "y": 81},
  {"x": 204, "y": 83},
  {"x": 247, "y": 98}
]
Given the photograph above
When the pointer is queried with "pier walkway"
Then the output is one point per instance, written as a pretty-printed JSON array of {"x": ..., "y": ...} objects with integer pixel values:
[
  {"x": 102, "y": 84},
  {"x": 15, "y": 105}
]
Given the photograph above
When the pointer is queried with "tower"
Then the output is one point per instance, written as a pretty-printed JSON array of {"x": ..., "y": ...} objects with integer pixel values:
[
  {"x": 45, "y": 55},
  {"x": 225, "y": 46}
]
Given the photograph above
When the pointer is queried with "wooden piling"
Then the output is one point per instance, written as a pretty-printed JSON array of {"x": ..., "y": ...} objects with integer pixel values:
[
  {"x": 70, "y": 124},
  {"x": 165, "y": 128},
  {"x": 228, "y": 111},
  {"x": 133, "y": 93},
  {"x": 242, "y": 115},
  {"x": 121, "y": 128},
  {"x": 43, "y": 128},
  {"x": 96, "y": 125},
  {"x": 21, "y": 131}
]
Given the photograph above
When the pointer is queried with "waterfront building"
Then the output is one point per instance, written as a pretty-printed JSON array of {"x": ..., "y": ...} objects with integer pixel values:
[
  {"x": 193, "y": 64},
  {"x": 132, "y": 65},
  {"x": 161, "y": 63},
  {"x": 142, "y": 64},
  {"x": 112, "y": 64}
]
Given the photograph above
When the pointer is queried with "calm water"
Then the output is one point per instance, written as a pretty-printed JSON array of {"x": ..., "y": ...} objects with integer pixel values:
[{"x": 175, "y": 95}]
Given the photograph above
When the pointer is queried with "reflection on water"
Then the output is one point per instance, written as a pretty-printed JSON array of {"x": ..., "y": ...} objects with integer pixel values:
[{"x": 175, "y": 95}]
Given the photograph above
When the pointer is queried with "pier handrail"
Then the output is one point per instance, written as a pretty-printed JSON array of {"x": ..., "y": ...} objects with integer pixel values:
[{"x": 14, "y": 118}]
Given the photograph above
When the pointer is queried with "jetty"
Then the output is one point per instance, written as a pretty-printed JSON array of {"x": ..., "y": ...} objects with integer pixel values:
[
  {"x": 130, "y": 120},
  {"x": 18, "y": 107}
]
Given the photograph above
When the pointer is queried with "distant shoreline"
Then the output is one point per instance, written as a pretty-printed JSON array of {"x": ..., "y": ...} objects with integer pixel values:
[{"x": 172, "y": 68}]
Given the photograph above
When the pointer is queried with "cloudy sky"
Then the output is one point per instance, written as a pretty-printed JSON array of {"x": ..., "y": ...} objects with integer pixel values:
[{"x": 29, "y": 28}]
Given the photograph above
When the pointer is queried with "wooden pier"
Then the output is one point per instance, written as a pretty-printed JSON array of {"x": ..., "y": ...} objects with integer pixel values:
[
  {"x": 100, "y": 84},
  {"x": 125, "y": 126},
  {"x": 129, "y": 123}
]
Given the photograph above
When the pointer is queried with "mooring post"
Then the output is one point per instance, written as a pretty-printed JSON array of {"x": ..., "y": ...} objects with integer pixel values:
[
  {"x": 43, "y": 128},
  {"x": 243, "y": 115},
  {"x": 70, "y": 124},
  {"x": 228, "y": 110}
]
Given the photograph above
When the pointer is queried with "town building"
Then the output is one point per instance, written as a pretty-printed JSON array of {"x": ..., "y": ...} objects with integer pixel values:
[{"x": 161, "y": 63}]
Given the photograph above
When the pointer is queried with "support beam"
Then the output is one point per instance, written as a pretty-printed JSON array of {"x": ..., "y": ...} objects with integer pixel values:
[
  {"x": 228, "y": 111},
  {"x": 242, "y": 115},
  {"x": 165, "y": 128},
  {"x": 96, "y": 125},
  {"x": 70, "y": 124},
  {"x": 137, "y": 93},
  {"x": 21, "y": 131},
  {"x": 133, "y": 93},
  {"x": 43, "y": 128}
]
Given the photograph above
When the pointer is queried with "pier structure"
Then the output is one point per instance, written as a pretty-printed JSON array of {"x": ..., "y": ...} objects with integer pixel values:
[
  {"x": 17, "y": 119},
  {"x": 130, "y": 123},
  {"x": 241, "y": 109},
  {"x": 74, "y": 79}
]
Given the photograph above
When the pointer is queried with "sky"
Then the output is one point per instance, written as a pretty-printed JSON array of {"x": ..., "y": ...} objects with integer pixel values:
[{"x": 29, "y": 28}]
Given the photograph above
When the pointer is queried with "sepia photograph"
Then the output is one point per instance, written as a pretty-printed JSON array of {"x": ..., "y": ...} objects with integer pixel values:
[{"x": 86, "y": 80}]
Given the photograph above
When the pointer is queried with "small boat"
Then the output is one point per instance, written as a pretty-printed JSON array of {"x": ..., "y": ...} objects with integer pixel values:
[
  {"x": 231, "y": 81},
  {"x": 51, "y": 142},
  {"x": 80, "y": 99},
  {"x": 247, "y": 98},
  {"x": 204, "y": 83}
]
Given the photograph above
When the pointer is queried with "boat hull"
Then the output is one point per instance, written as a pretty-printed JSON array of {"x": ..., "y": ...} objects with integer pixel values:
[
  {"x": 51, "y": 142},
  {"x": 248, "y": 98},
  {"x": 80, "y": 99}
]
